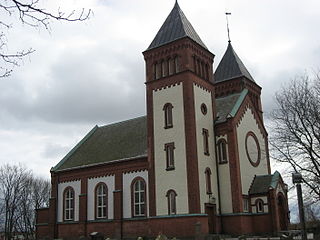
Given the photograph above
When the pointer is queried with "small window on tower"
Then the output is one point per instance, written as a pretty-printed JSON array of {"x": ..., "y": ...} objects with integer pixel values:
[
  {"x": 222, "y": 151},
  {"x": 208, "y": 180},
  {"x": 205, "y": 134},
  {"x": 168, "y": 121},
  {"x": 169, "y": 149},
  {"x": 171, "y": 66},
  {"x": 176, "y": 64},
  {"x": 164, "y": 69},
  {"x": 158, "y": 70},
  {"x": 172, "y": 207}
]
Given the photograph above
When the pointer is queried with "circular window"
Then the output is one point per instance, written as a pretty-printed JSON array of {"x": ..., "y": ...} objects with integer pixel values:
[
  {"x": 253, "y": 149},
  {"x": 204, "y": 109}
]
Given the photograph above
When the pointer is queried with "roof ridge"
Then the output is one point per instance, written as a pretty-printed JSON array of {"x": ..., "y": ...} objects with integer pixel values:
[{"x": 121, "y": 122}]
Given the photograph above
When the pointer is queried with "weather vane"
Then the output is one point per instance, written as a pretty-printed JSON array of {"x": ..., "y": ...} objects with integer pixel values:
[{"x": 228, "y": 13}]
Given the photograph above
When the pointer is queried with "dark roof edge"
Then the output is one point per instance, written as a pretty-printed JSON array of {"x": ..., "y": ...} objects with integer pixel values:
[
  {"x": 147, "y": 50},
  {"x": 239, "y": 76},
  {"x": 123, "y": 121},
  {"x": 89, "y": 134},
  {"x": 103, "y": 163}
]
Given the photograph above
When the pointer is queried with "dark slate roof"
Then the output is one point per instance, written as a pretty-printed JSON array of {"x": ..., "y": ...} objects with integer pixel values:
[
  {"x": 231, "y": 66},
  {"x": 262, "y": 184},
  {"x": 228, "y": 106},
  {"x": 116, "y": 141},
  {"x": 175, "y": 27}
]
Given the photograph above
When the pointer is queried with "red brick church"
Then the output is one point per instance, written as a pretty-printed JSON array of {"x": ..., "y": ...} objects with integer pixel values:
[{"x": 196, "y": 164}]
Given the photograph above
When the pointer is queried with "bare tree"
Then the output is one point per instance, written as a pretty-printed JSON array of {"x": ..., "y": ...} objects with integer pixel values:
[
  {"x": 31, "y": 13},
  {"x": 21, "y": 193},
  {"x": 295, "y": 130}
]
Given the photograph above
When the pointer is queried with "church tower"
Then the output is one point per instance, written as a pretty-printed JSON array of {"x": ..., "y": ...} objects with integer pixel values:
[
  {"x": 231, "y": 76},
  {"x": 180, "y": 117}
]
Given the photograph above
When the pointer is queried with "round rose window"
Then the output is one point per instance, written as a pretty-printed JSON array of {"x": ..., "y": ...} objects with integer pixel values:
[
  {"x": 253, "y": 149},
  {"x": 204, "y": 109}
]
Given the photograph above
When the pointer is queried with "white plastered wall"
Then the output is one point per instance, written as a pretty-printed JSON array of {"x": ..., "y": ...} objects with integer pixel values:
[
  {"x": 76, "y": 185},
  {"x": 225, "y": 182},
  {"x": 247, "y": 171},
  {"x": 265, "y": 204},
  {"x": 205, "y": 121},
  {"x": 92, "y": 183},
  {"x": 127, "y": 179},
  {"x": 175, "y": 179}
]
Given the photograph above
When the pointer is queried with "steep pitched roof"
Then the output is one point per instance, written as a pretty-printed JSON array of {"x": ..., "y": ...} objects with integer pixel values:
[
  {"x": 116, "y": 141},
  {"x": 176, "y": 26},
  {"x": 262, "y": 184},
  {"x": 228, "y": 106},
  {"x": 230, "y": 67}
]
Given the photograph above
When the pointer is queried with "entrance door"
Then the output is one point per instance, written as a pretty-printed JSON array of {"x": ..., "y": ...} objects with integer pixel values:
[{"x": 210, "y": 210}]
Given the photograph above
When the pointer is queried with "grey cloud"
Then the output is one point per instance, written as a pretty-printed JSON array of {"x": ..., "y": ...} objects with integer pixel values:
[{"x": 97, "y": 85}]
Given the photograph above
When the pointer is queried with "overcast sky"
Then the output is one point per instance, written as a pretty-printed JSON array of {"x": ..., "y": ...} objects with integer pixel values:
[{"x": 89, "y": 73}]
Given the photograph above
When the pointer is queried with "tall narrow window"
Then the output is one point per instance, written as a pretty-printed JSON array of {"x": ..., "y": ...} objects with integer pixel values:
[
  {"x": 206, "y": 72},
  {"x": 259, "y": 206},
  {"x": 176, "y": 64},
  {"x": 158, "y": 70},
  {"x": 172, "y": 207},
  {"x": 205, "y": 134},
  {"x": 138, "y": 190},
  {"x": 68, "y": 204},
  {"x": 202, "y": 69},
  {"x": 168, "y": 121},
  {"x": 222, "y": 151},
  {"x": 208, "y": 180},
  {"x": 101, "y": 196},
  {"x": 245, "y": 204},
  {"x": 169, "y": 149},
  {"x": 171, "y": 66},
  {"x": 164, "y": 68}
]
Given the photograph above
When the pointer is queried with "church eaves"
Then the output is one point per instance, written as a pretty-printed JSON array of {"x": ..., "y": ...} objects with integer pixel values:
[
  {"x": 176, "y": 26},
  {"x": 231, "y": 67}
]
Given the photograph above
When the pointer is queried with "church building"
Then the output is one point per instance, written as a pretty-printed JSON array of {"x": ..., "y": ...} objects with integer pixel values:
[{"x": 196, "y": 164}]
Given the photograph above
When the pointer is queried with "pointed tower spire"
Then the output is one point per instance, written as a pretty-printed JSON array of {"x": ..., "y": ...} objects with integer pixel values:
[
  {"x": 231, "y": 67},
  {"x": 176, "y": 26}
]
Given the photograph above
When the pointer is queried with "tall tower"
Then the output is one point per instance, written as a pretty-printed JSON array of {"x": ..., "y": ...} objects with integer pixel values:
[
  {"x": 180, "y": 114},
  {"x": 231, "y": 76}
]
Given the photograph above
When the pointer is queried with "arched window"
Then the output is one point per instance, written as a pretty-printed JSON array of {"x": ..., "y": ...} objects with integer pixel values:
[
  {"x": 168, "y": 121},
  {"x": 68, "y": 210},
  {"x": 164, "y": 68},
  {"x": 171, "y": 66},
  {"x": 205, "y": 134},
  {"x": 222, "y": 151},
  {"x": 158, "y": 70},
  {"x": 259, "y": 206},
  {"x": 169, "y": 149},
  {"x": 101, "y": 196},
  {"x": 138, "y": 190},
  {"x": 176, "y": 64},
  {"x": 172, "y": 206},
  {"x": 206, "y": 72},
  {"x": 208, "y": 180}
]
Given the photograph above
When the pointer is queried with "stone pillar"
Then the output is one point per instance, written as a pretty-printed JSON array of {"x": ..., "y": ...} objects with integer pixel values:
[
  {"x": 118, "y": 206},
  {"x": 83, "y": 207}
]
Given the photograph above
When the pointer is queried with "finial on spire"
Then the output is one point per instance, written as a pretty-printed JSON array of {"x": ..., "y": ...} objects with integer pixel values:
[{"x": 228, "y": 13}]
